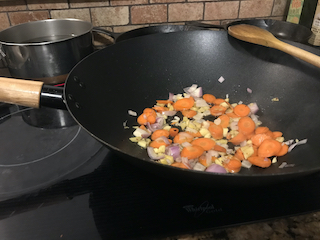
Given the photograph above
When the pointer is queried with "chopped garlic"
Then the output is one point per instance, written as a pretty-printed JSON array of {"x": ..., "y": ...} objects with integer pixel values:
[
  {"x": 274, "y": 160},
  {"x": 280, "y": 139},
  {"x": 247, "y": 151}
]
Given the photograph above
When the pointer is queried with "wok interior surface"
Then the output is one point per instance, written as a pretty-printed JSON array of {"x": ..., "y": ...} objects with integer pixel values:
[{"x": 135, "y": 73}]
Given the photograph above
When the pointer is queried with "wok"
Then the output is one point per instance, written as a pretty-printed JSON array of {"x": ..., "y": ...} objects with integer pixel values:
[
  {"x": 280, "y": 29},
  {"x": 132, "y": 74}
]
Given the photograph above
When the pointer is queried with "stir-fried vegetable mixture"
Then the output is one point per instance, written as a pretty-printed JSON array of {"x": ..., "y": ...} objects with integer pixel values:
[{"x": 201, "y": 132}]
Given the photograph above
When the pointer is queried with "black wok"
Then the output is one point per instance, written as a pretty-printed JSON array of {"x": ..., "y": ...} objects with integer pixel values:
[
  {"x": 118, "y": 37},
  {"x": 280, "y": 29},
  {"x": 132, "y": 74}
]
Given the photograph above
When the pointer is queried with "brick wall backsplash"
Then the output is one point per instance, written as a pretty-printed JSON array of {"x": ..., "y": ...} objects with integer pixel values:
[{"x": 124, "y": 15}]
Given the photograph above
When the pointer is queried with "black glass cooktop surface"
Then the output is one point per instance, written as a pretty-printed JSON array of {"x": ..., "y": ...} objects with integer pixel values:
[{"x": 101, "y": 196}]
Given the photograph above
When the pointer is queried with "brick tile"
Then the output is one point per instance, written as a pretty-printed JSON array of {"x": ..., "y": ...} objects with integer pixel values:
[
  {"x": 88, "y": 3},
  {"x": 122, "y": 29},
  {"x": 256, "y": 8},
  {"x": 22, "y": 17},
  {"x": 4, "y": 21},
  {"x": 221, "y": 10},
  {"x": 47, "y": 4},
  {"x": 17, "y": 5},
  {"x": 185, "y": 12},
  {"x": 279, "y": 8},
  {"x": 83, "y": 14},
  {"x": 149, "y": 14},
  {"x": 127, "y": 2},
  {"x": 167, "y": 1},
  {"x": 109, "y": 16}
]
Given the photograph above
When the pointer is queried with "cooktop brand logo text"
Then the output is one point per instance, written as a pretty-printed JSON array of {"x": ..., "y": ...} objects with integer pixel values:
[{"x": 203, "y": 208}]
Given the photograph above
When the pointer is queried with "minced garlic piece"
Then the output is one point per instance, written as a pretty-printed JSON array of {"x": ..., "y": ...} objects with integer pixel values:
[{"x": 247, "y": 151}]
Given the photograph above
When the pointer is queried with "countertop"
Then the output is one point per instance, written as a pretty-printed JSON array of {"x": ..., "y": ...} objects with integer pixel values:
[{"x": 306, "y": 227}]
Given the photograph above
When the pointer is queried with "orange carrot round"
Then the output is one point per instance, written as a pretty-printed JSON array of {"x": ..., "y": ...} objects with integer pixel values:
[
  {"x": 283, "y": 150},
  {"x": 246, "y": 125},
  {"x": 183, "y": 104},
  {"x": 218, "y": 101},
  {"x": 239, "y": 154},
  {"x": 173, "y": 132},
  {"x": 241, "y": 110},
  {"x": 277, "y": 134},
  {"x": 269, "y": 147},
  {"x": 216, "y": 131},
  {"x": 192, "y": 152},
  {"x": 206, "y": 143},
  {"x": 217, "y": 110},
  {"x": 209, "y": 98},
  {"x": 233, "y": 165},
  {"x": 218, "y": 148},
  {"x": 225, "y": 120},
  {"x": 262, "y": 162},
  {"x": 260, "y": 130},
  {"x": 239, "y": 138},
  {"x": 158, "y": 133},
  {"x": 179, "y": 165},
  {"x": 159, "y": 142},
  {"x": 257, "y": 139},
  {"x": 189, "y": 113}
]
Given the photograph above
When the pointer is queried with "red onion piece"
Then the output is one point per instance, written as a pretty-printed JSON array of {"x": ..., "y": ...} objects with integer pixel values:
[
  {"x": 157, "y": 125},
  {"x": 165, "y": 140},
  {"x": 253, "y": 108},
  {"x": 170, "y": 96},
  {"x": 153, "y": 155},
  {"x": 215, "y": 168},
  {"x": 173, "y": 151}
]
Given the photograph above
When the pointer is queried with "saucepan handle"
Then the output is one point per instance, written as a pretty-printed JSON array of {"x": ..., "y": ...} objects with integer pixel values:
[
  {"x": 104, "y": 31},
  {"x": 30, "y": 93}
]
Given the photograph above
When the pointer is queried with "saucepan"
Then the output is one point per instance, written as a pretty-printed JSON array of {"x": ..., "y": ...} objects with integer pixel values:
[{"x": 133, "y": 74}]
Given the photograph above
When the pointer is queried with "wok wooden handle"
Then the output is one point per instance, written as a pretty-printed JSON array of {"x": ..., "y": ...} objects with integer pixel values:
[{"x": 21, "y": 92}]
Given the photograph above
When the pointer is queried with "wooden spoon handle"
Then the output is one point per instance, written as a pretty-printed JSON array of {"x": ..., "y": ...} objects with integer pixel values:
[
  {"x": 21, "y": 92},
  {"x": 297, "y": 52}
]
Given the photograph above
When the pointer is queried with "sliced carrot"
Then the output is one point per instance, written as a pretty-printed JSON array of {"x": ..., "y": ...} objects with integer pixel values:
[
  {"x": 250, "y": 135},
  {"x": 189, "y": 113},
  {"x": 276, "y": 134},
  {"x": 255, "y": 151},
  {"x": 183, "y": 104},
  {"x": 246, "y": 125},
  {"x": 262, "y": 162},
  {"x": 143, "y": 127},
  {"x": 218, "y": 101},
  {"x": 261, "y": 130},
  {"x": 160, "y": 109},
  {"x": 159, "y": 142},
  {"x": 283, "y": 150},
  {"x": 233, "y": 165},
  {"x": 195, "y": 134},
  {"x": 232, "y": 115},
  {"x": 257, "y": 139},
  {"x": 151, "y": 119},
  {"x": 179, "y": 165},
  {"x": 148, "y": 115},
  {"x": 192, "y": 152},
  {"x": 225, "y": 120},
  {"x": 158, "y": 133},
  {"x": 268, "y": 148},
  {"x": 218, "y": 148},
  {"x": 217, "y": 110},
  {"x": 142, "y": 119},
  {"x": 182, "y": 137},
  {"x": 216, "y": 131},
  {"x": 206, "y": 143},
  {"x": 239, "y": 138},
  {"x": 209, "y": 98},
  {"x": 239, "y": 154},
  {"x": 241, "y": 110},
  {"x": 173, "y": 132},
  {"x": 149, "y": 111},
  {"x": 164, "y": 101},
  {"x": 203, "y": 160}
]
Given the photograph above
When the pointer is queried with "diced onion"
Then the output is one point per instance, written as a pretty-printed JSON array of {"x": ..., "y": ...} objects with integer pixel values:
[
  {"x": 132, "y": 113},
  {"x": 173, "y": 151},
  {"x": 304, "y": 141},
  {"x": 215, "y": 168},
  {"x": 221, "y": 79},
  {"x": 249, "y": 90},
  {"x": 153, "y": 155}
]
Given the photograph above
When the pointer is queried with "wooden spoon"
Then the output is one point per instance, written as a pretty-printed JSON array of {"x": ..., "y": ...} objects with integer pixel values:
[{"x": 253, "y": 34}]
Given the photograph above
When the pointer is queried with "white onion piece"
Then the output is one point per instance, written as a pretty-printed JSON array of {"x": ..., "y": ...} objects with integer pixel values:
[
  {"x": 171, "y": 96},
  {"x": 201, "y": 103},
  {"x": 215, "y": 168},
  {"x": 217, "y": 121},
  {"x": 249, "y": 90},
  {"x": 253, "y": 108},
  {"x": 173, "y": 151},
  {"x": 246, "y": 164},
  {"x": 169, "y": 113},
  {"x": 186, "y": 144},
  {"x": 304, "y": 141},
  {"x": 234, "y": 125},
  {"x": 132, "y": 113},
  {"x": 185, "y": 161},
  {"x": 221, "y": 79},
  {"x": 141, "y": 133},
  {"x": 190, "y": 89},
  {"x": 199, "y": 167},
  {"x": 197, "y": 93},
  {"x": 153, "y": 155}
]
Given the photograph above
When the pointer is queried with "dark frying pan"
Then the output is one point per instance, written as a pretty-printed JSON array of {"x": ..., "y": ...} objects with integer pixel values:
[
  {"x": 132, "y": 74},
  {"x": 118, "y": 37},
  {"x": 280, "y": 29}
]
